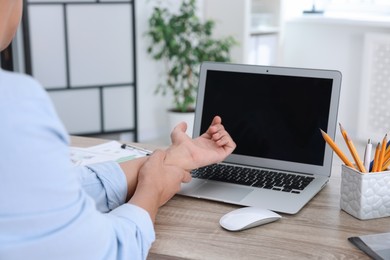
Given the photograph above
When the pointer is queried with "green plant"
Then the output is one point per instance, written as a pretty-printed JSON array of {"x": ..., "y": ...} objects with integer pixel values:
[{"x": 183, "y": 42}]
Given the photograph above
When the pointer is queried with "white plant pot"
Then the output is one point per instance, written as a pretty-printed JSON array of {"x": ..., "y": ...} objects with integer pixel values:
[{"x": 175, "y": 118}]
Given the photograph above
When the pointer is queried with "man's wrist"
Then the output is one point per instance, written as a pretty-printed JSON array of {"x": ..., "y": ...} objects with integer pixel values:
[
  {"x": 147, "y": 201},
  {"x": 130, "y": 170},
  {"x": 174, "y": 157}
]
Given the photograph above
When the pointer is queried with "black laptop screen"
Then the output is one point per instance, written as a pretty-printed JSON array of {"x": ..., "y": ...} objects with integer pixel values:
[{"x": 270, "y": 116}]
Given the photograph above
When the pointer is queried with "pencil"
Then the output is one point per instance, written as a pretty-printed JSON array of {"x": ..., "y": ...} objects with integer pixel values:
[
  {"x": 387, "y": 153},
  {"x": 352, "y": 150},
  {"x": 336, "y": 149},
  {"x": 355, "y": 155},
  {"x": 376, "y": 157},
  {"x": 382, "y": 153},
  {"x": 343, "y": 132},
  {"x": 345, "y": 136},
  {"x": 386, "y": 165}
]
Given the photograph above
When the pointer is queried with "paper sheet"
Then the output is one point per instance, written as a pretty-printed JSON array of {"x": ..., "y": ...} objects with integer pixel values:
[{"x": 110, "y": 151}]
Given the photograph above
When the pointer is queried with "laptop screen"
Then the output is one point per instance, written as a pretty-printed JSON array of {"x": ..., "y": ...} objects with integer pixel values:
[{"x": 272, "y": 116}]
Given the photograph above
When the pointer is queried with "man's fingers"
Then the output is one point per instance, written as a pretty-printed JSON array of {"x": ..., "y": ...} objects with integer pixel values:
[
  {"x": 219, "y": 135},
  {"x": 181, "y": 174},
  {"x": 179, "y": 128},
  {"x": 216, "y": 120},
  {"x": 182, "y": 126},
  {"x": 187, "y": 177}
]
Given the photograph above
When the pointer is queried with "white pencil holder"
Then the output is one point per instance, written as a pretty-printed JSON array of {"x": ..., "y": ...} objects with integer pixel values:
[{"x": 365, "y": 195}]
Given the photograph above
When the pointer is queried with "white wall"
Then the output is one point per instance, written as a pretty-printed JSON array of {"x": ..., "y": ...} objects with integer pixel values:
[
  {"x": 153, "y": 123},
  {"x": 332, "y": 43},
  {"x": 152, "y": 117},
  {"x": 232, "y": 19}
]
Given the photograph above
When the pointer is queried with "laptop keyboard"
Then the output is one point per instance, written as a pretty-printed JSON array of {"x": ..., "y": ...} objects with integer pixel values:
[{"x": 273, "y": 180}]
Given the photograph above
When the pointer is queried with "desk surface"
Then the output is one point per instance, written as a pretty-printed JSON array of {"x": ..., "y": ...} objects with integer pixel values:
[{"x": 188, "y": 228}]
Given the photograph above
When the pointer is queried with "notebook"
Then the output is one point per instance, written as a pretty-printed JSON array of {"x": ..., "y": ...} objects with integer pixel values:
[{"x": 274, "y": 114}]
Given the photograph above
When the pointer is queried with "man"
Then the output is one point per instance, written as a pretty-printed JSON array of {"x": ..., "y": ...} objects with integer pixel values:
[{"x": 50, "y": 209}]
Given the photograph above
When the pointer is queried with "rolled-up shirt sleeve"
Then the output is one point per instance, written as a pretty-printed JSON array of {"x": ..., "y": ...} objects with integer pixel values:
[{"x": 105, "y": 183}]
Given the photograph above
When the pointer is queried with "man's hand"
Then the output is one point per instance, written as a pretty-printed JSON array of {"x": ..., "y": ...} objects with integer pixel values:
[
  {"x": 211, "y": 147},
  {"x": 157, "y": 183}
]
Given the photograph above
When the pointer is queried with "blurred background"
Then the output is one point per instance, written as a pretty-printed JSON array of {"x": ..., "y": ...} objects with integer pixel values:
[{"x": 92, "y": 57}]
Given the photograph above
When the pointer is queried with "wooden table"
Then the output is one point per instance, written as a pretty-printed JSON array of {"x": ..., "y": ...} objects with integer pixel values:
[{"x": 188, "y": 228}]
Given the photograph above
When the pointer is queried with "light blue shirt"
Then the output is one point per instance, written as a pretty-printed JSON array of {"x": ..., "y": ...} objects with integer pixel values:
[{"x": 50, "y": 209}]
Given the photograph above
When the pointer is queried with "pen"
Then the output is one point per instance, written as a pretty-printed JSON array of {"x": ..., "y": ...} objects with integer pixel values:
[
  {"x": 336, "y": 149},
  {"x": 133, "y": 147},
  {"x": 352, "y": 149},
  {"x": 367, "y": 155}
]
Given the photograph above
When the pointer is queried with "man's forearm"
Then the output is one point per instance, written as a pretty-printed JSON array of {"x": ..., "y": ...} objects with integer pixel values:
[{"x": 131, "y": 169}]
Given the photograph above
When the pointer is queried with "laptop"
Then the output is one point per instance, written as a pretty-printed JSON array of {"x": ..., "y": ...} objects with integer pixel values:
[{"x": 274, "y": 114}]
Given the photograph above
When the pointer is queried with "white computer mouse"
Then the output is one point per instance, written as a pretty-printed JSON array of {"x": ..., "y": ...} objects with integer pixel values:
[{"x": 247, "y": 217}]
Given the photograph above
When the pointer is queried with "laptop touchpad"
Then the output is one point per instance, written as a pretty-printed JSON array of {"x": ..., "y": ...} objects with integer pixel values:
[{"x": 222, "y": 192}]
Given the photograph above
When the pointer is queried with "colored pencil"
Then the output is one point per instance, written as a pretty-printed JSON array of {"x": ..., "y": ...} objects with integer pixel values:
[
  {"x": 352, "y": 150},
  {"x": 336, "y": 149},
  {"x": 376, "y": 158},
  {"x": 382, "y": 153}
]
